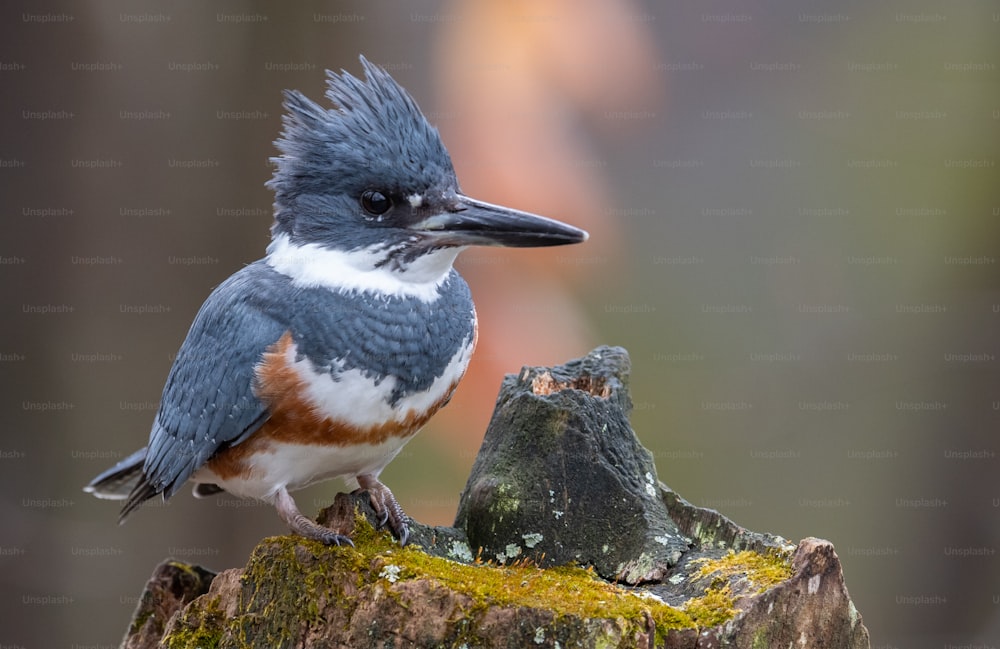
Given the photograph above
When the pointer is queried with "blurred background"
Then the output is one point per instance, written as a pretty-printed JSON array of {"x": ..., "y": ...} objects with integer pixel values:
[{"x": 795, "y": 220}]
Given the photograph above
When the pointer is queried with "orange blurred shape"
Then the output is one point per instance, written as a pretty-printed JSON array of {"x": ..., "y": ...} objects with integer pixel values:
[{"x": 522, "y": 84}]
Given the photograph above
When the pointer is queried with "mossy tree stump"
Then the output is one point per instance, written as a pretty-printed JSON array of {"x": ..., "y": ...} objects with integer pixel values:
[{"x": 564, "y": 538}]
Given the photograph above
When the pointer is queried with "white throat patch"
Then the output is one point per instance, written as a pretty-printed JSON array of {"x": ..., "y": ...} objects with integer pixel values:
[{"x": 313, "y": 266}]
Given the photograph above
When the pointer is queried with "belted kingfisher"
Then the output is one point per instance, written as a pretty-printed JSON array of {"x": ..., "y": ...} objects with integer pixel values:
[{"x": 325, "y": 357}]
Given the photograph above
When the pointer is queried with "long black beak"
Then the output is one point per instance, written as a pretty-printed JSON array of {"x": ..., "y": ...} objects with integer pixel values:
[{"x": 475, "y": 223}]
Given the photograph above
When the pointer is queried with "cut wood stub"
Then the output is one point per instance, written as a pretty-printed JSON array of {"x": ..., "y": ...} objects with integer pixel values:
[{"x": 562, "y": 478}]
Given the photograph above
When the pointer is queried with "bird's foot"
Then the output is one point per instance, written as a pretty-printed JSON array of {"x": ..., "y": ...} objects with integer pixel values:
[
  {"x": 303, "y": 526},
  {"x": 389, "y": 513}
]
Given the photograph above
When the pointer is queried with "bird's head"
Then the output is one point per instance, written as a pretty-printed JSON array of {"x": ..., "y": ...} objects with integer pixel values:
[{"x": 371, "y": 182}]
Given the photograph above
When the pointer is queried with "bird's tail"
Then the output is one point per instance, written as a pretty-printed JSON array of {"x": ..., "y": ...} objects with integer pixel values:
[{"x": 124, "y": 481}]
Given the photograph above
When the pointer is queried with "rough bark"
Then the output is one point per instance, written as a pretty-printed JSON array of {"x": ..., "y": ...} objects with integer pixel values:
[{"x": 561, "y": 479}]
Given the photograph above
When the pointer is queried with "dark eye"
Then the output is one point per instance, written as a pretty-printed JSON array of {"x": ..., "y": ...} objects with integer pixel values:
[{"x": 375, "y": 202}]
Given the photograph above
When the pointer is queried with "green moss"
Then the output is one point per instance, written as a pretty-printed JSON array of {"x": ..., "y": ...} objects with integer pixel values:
[
  {"x": 290, "y": 583},
  {"x": 763, "y": 571},
  {"x": 754, "y": 573},
  {"x": 306, "y": 591},
  {"x": 505, "y": 502},
  {"x": 198, "y": 627},
  {"x": 565, "y": 591},
  {"x": 186, "y": 568},
  {"x": 143, "y": 612},
  {"x": 187, "y": 582},
  {"x": 760, "y": 639},
  {"x": 713, "y": 608},
  {"x": 282, "y": 590}
]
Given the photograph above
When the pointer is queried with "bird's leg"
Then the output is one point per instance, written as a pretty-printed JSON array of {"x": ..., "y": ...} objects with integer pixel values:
[
  {"x": 388, "y": 510},
  {"x": 303, "y": 526}
]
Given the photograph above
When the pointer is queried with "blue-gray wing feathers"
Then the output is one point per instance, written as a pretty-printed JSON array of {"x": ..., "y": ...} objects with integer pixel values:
[{"x": 208, "y": 400}]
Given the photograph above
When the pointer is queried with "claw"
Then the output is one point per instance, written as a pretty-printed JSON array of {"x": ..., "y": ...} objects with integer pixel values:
[
  {"x": 332, "y": 538},
  {"x": 402, "y": 534},
  {"x": 390, "y": 514},
  {"x": 383, "y": 519},
  {"x": 303, "y": 526}
]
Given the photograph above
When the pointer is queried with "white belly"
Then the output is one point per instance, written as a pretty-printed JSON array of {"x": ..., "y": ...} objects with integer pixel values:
[{"x": 294, "y": 466}]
